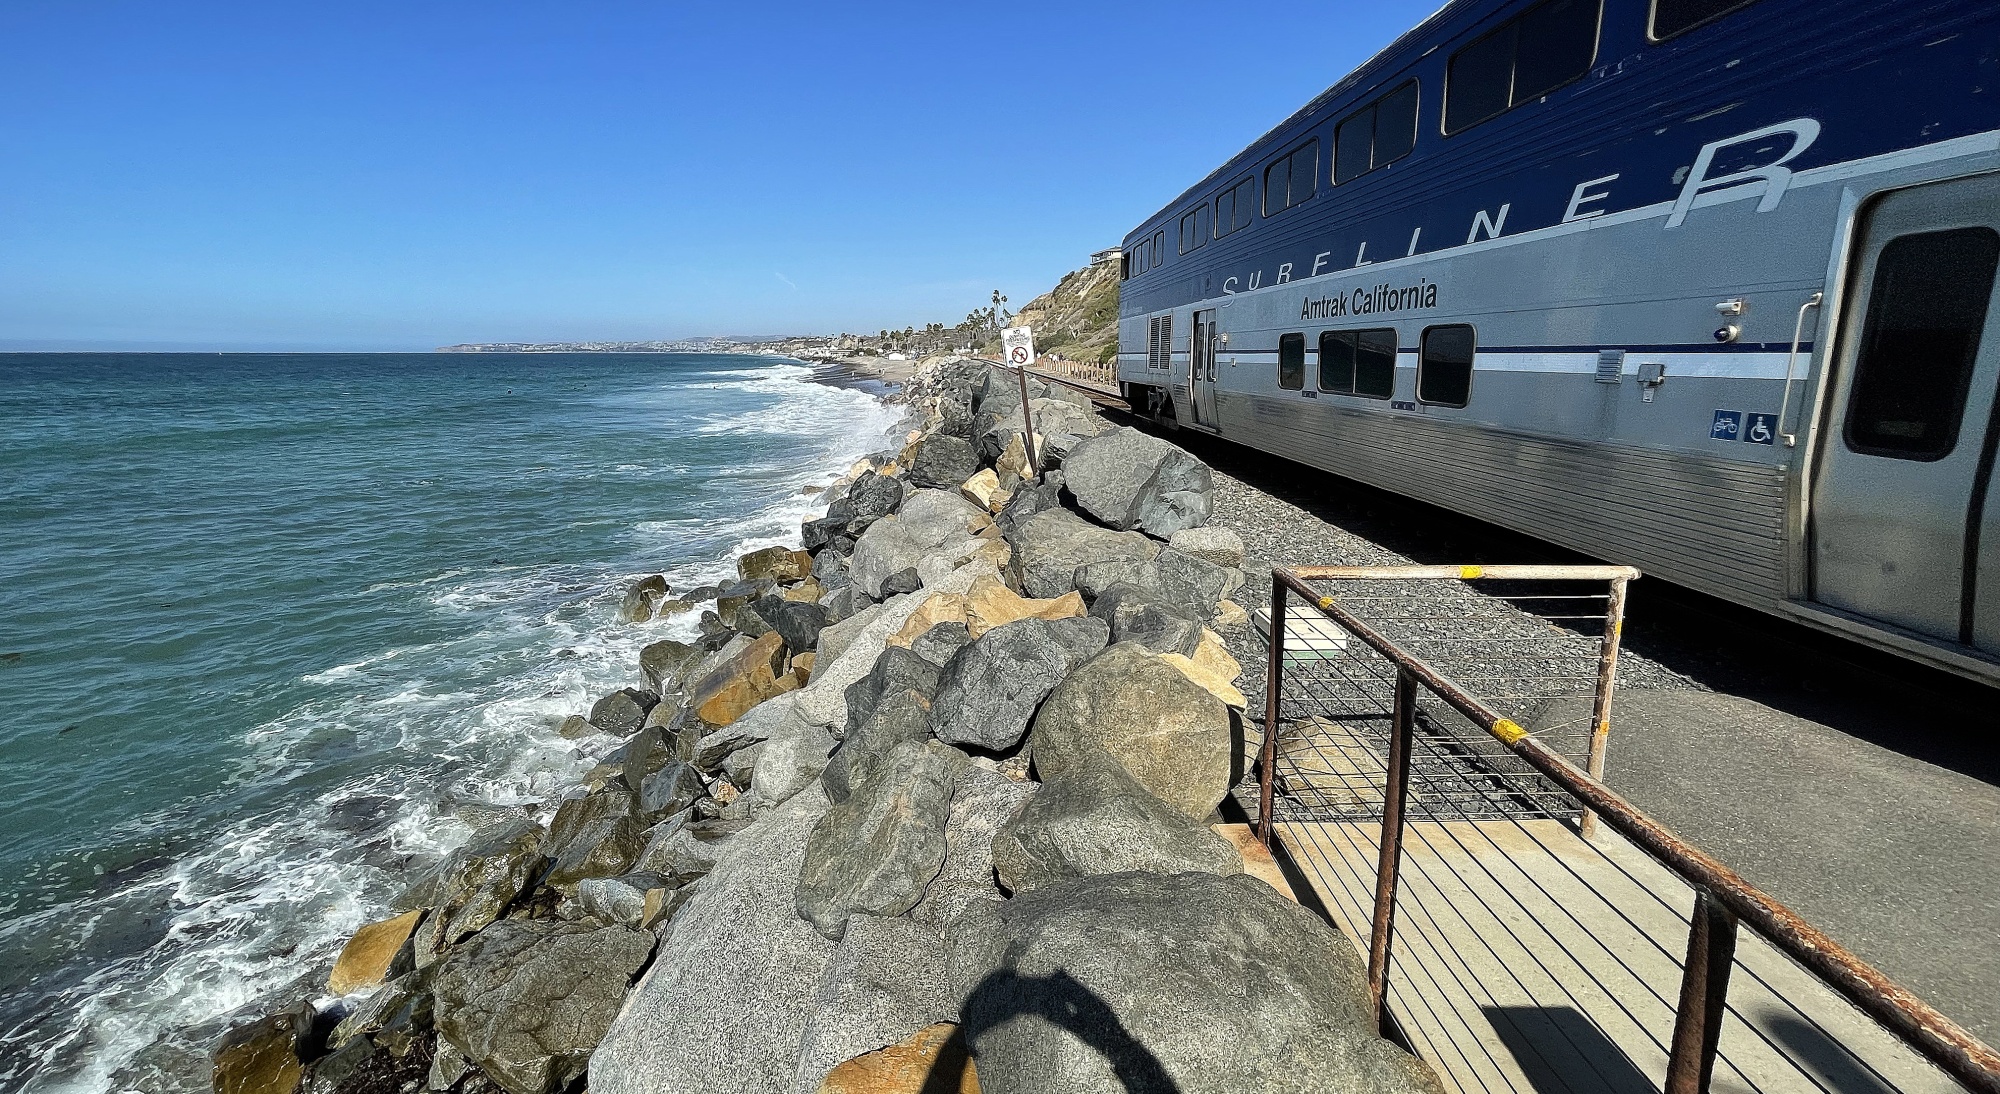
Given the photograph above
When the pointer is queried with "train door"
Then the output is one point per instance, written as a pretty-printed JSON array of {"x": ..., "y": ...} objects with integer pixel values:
[
  {"x": 1903, "y": 506},
  {"x": 1201, "y": 368}
]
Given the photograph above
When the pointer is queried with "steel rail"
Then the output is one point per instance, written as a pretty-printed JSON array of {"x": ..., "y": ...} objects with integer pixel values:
[{"x": 1944, "y": 1042}]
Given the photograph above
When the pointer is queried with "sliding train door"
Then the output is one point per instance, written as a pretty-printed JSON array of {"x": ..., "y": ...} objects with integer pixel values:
[
  {"x": 1201, "y": 369},
  {"x": 1903, "y": 504}
]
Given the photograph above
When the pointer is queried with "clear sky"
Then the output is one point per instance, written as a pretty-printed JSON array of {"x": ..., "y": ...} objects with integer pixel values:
[{"x": 403, "y": 175}]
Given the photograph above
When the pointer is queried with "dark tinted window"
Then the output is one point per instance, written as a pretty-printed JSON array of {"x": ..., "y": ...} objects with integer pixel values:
[
  {"x": 1396, "y": 124},
  {"x": 1479, "y": 80},
  {"x": 1291, "y": 179},
  {"x": 1336, "y": 361},
  {"x": 1670, "y": 17},
  {"x": 1384, "y": 130},
  {"x": 1925, "y": 313},
  {"x": 1444, "y": 371},
  {"x": 1353, "y": 140},
  {"x": 1194, "y": 228},
  {"x": 1159, "y": 246},
  {"x": 1233, "y": 209},
  {"x": 1292, "y": 361},
  {"x": 1531, "y": 55},
  {"x": 1557, "y": 42},
  {"x": 1375, "y": 364},
  {"x": 1358, "y": 362}
]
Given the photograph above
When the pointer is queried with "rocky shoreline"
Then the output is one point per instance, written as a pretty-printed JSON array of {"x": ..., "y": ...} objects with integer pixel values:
[{"x": 929, "y": 805}]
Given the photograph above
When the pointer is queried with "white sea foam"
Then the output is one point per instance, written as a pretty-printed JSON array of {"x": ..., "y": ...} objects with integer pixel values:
[{"x": 422, "y": 731}]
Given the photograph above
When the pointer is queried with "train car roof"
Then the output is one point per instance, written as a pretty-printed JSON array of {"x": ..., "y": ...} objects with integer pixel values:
[{"x": 1389, "y": 56}]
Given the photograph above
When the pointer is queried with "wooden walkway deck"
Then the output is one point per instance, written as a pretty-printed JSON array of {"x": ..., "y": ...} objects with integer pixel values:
[{"x": 1528, "y": 959}]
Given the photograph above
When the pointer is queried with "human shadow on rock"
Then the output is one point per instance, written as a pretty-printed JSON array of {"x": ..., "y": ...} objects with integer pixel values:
[{"x": 1060, "y": 1000}]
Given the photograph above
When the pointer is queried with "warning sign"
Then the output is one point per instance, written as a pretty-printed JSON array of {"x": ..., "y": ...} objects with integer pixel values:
[{"x": 1018, "y": 344}]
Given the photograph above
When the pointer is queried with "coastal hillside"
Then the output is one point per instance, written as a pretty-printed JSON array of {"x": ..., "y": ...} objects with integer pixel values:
[{"x": 1078, "y": 319}]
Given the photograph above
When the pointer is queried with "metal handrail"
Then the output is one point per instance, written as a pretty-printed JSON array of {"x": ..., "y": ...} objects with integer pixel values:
[
  {"x": 1723, "y": 897},
  {"x": 1798, "y": 333}
]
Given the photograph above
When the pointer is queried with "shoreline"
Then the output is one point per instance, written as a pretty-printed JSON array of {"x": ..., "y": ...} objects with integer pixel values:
[
  {"x": 829, "y": 789},
  {"x": 506, "y": 652}
]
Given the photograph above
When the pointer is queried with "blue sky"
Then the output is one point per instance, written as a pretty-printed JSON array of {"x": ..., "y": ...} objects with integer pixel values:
[{"x": 406, "y": 175}]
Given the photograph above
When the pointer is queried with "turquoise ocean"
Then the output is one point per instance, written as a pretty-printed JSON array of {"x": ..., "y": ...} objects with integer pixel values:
[{"x": 277, "y": 630}]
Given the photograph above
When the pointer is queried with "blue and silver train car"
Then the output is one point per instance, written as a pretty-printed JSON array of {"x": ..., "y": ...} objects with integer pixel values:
[{"x": 1704, "y": 286}]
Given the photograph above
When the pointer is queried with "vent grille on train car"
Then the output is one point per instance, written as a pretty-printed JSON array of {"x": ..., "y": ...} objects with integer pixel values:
[
  {"x": 1160, "y": 342},
  {"x": 1610, "y": 366}
]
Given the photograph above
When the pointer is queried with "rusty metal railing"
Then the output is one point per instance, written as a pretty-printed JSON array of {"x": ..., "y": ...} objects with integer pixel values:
[{"x": 1545, "y": 957}]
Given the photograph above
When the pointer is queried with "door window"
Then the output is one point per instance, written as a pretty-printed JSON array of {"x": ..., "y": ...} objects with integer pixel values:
[{"x": 1926, "y": 310}]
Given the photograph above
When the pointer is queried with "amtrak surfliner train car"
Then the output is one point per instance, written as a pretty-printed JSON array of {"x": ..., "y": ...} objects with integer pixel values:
[{"x": 1703, "y": 286}]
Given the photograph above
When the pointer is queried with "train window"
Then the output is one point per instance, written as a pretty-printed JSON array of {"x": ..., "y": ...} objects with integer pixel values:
[
  {"x": 1160, "y": 247},
  {"x": 1125, "y": 266},
  {"x": 1233, "y": 208},
  {"x": 1926, "y": 311},
  {"x": 1292, "y": 361},
  {"x": 1671, "y": 17},
  {"x": 1194, "y": 228},
  {"x": 1292, "y": 178},
  {"x": 1358, "y": 362},
  {"x": 1444, "y": 368},
  {"x": 1527, "y": 57},
  {"x": 1372, "y": 136},
  {"x": 1336, "y": 361},
  {"x": 1375, "y": 363}
]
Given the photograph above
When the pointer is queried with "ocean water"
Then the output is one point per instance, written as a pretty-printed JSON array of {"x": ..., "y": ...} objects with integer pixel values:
[{"x": 275, "y": 630}]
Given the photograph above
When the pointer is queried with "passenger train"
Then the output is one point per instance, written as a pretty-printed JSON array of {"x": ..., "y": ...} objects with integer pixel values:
[{"x": 1703, "y": 286}]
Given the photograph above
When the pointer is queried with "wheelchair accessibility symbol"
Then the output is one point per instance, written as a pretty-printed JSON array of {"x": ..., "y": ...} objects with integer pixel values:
[{"x": 1761, "y": 429}]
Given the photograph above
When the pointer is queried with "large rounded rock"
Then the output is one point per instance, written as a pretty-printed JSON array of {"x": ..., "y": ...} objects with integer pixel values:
[
  {"x": 1143, "y": 616},
  {"x": 726, "y": 1005},
  {"x": 642, "y": 598},
  {"x": 778, "y": 564},
  {"x": 1082, "y": 993},
  {"x": 481, "y": 880},
  {"x": 877, "y": 851},
  {"x": 902, "y": 715},
  {"x": 756, "y": 672},
  {"x": 989, "y": 690},
  {"x": 1051, "y": 546},
  {"x": 1094, "y": 818},
  {"x": 623, "y": 711},
  {"x": 527, "y": 1000},
  {"x": 1133, "y": 480},
  {"x": 932, "y": 524},
  {"x": 897, "y": 670},
  {"x": 797, "y": 622},
  {"x": 664, "y": 664},
  {"x": 1211, "y": 542},
  {"x": 983, "y": 801},
  {"x": 886, "y": 979},
  {"x": 1167, "y": 730},
  {"x": 1193, "y": 584},
  {"x": 261, "y": 1057},
  {"x": 871, "y": 498},
  {"x": 670, "y": 790},
  {"x": 943, "y": 461}
]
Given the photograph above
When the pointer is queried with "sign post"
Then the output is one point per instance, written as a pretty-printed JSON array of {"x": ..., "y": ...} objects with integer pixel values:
[{"x": 1017, "y": 344}]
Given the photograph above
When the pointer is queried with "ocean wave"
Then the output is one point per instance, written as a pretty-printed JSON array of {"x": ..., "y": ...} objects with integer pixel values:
[{"x": 384, "y": 770}]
